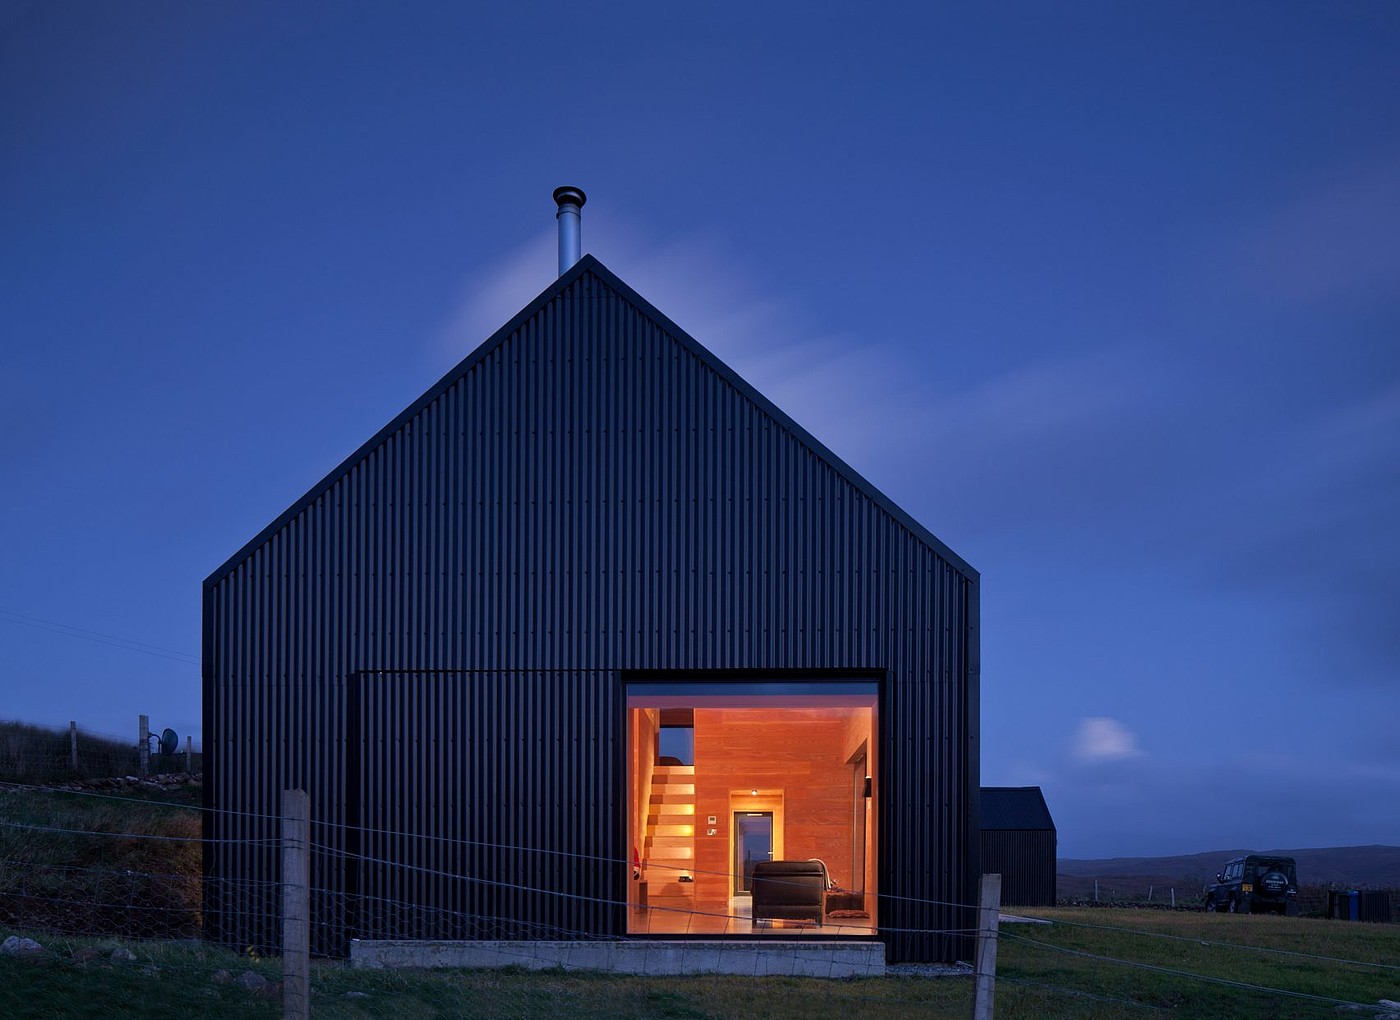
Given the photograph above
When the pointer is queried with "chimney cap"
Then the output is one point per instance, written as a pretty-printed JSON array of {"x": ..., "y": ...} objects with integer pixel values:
[{"x": 569, "y": 196}]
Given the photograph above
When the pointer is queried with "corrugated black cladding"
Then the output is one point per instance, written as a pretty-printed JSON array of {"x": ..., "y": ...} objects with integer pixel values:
[
  {"x": 431, "y": 642},
  {"x": 1025, "y": 859}
]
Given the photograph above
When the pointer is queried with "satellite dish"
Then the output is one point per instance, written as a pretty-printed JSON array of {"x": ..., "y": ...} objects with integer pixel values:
[{"x": 169, "y": 741}]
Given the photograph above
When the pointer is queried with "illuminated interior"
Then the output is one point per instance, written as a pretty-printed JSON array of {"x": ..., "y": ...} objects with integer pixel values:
[{"x": 724, "y": 776}]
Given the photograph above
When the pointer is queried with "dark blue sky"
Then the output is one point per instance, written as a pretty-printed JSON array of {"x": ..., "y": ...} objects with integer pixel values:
[{"x": 1106, "y": 295}]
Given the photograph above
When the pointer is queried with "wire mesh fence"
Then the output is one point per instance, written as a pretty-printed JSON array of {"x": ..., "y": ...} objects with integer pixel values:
[{"x": 112, "y": 889}]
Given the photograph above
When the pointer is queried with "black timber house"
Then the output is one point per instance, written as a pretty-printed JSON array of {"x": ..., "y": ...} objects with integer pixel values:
[{"x": 589, "y": 543}]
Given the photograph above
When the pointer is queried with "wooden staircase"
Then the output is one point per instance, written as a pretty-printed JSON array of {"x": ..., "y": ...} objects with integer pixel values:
[{"x": 669, "y": 848}]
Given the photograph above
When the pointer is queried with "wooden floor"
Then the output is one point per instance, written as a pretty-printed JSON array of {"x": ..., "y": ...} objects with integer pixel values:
[{"x": 660, "y": 921}]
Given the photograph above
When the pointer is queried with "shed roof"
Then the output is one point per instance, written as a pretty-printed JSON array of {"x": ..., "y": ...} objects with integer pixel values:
[{"x": 1015, "y": 807}]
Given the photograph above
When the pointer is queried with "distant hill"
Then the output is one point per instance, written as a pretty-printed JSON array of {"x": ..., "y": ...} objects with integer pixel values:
[{"x": 1344, "y": 866}]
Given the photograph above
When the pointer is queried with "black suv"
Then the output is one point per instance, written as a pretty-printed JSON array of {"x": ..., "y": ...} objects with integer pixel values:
[{"x": 1256, "y": 884}]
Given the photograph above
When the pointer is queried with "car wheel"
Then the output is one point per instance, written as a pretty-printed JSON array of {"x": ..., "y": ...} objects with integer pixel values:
[
  {"x": 1234, "y": 906},
  {"x": 1211, "y": 905}
]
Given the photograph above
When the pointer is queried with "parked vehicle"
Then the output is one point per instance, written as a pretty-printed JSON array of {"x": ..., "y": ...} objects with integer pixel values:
[{"x": 1256, "y": 884}]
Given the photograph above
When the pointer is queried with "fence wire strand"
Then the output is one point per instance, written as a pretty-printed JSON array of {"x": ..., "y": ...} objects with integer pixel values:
[{"x": 94, "y": 895}]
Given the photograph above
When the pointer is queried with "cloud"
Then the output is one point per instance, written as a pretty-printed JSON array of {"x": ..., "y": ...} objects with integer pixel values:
[
  {"x": 1100, "y": 739},
  {"x": 879, "y": 402},
  {"x": 1340, "y": 239},
  {"x": 491, "y": 296},
  {"x": 711, "y": 291},
  {"x": 697, "y": 280}
]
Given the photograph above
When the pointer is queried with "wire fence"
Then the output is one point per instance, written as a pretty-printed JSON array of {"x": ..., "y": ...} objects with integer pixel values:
[
  {"x": 1313, "y": 899},
  {"x": 105, "y": 883},
  {"x": 39, "y": 754}
]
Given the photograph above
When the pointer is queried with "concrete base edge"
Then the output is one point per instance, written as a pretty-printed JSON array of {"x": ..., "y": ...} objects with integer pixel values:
[{"x": 654, "y": 957}]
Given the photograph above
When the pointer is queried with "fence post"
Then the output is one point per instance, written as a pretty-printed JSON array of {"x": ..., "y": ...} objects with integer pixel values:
[
  {"x": 296, "y": 908},
  {"x": 73, "y": 744},
  {"x": 988, "y": 917},
  {"x": 189, "y": 754},
  {"x": 143, "y": 749}
]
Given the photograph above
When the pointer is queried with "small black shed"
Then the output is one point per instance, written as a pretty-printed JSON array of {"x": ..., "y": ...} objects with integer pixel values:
[{"x": 1018, "y": 842}]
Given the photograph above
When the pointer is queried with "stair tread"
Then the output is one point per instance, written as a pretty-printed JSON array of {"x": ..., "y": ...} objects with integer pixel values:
[{"x": 670, "y": 834}]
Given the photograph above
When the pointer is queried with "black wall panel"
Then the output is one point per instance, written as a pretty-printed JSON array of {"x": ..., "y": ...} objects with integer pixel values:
[
  {"x": 589, "y": 493},
  {"x": 1025, "y": 859}
]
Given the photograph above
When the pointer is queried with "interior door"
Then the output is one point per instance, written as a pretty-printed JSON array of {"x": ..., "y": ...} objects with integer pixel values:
[{"x": 753, "y": 842}]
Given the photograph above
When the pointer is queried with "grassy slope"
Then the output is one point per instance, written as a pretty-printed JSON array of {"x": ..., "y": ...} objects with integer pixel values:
[
  {"x": 30, "y": 753},
  {"x": 72, "y": 863},
  {"x": 1205, "y": 946}
]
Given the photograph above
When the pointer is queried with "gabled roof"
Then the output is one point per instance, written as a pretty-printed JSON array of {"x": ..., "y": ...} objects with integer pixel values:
[
  {"x": 1015, "y": 807},
  {"x": 590, "y": 265}
]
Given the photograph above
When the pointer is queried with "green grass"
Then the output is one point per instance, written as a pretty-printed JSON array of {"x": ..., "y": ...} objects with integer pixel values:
[
  {"x": 113, "y": 885},
  {"x": 30, "y": 753},
  {"x": 587, "y": 996},
  {"x": 1203, "y": 944},
  {"x": 180, "y": 979},
  {"x": 166, "y": 979},
  {"x": 73, "y": 863},
  {"x": 1033, "y": 981}
]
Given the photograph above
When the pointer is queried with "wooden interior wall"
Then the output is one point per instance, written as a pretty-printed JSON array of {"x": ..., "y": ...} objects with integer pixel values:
[
  {"x": 641, "y": 739},
  {"x": 801, "y": 752},
  {"x": 860, "y": 729}
]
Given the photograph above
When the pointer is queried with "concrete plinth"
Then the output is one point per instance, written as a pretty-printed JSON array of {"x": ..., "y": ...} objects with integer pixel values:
[{"x": 828, "y": 959}]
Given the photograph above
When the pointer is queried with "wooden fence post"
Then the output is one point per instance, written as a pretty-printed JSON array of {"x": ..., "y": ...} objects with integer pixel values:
[
  {"x": 296, "y": 907},
  {"x": 143, "y": 748},
  {"x": 73, "y": 744},
  {"x": 189, "y": 754},
  {"x": 988, "y": 918}
]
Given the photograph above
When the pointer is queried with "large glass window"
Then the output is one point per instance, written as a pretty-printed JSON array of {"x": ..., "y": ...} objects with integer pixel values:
[
  {"x": 732, "y": 781},
  {"x": 675, "y": 743}
]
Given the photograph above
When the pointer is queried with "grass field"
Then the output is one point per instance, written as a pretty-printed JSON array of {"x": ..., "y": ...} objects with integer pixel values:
[
  {"x": 30, "y": 753},
  {"x": 1045, "y": 980},
  {"x": 1223, "y": 947},
  {"x": 78, "y": 864},
  {"x": 76, "y": 891}
]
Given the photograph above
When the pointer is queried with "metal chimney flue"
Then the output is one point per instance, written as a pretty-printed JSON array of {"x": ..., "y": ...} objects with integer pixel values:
[{"x": 570, "y": 202}]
